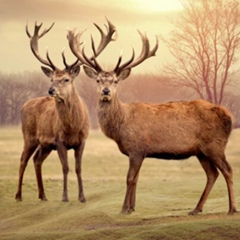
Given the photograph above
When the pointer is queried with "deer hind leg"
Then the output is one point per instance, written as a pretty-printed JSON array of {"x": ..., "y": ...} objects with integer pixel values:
[
  {"x": 78, "y": 162},
  {"x": 26, "y": 154},
  {"x": 225, "y": 168},
  {"x": 212, "y": 174},
  {"x": 132, "y": 178},
  {"x": 38, "y": 158}
]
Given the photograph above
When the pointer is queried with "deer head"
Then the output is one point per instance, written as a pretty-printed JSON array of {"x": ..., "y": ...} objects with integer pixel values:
[
  {"x": 62, "y": 80},
  {"x": 108, "y": 80}
]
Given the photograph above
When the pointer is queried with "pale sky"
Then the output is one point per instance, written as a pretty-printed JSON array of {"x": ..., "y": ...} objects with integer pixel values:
[{"x": 150, "y": 16}]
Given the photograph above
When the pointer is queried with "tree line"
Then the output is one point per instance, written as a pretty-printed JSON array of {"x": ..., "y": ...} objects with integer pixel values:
[{"x": 17, "y": 88}]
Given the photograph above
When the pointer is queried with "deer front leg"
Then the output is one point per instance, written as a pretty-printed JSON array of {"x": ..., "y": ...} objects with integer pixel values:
[
  {"x": 135, "y": 164},
  {"x": 62, "y": 153},
  {"x": 78, "y": 163}
]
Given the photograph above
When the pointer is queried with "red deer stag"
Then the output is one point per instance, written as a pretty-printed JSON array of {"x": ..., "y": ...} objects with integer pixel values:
[
  {"x": 174, "y": 130},
  {"x": 58, "y": 122}
]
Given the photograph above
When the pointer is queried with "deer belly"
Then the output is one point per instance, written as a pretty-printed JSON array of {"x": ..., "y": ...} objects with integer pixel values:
[
  {"x": 173, "y": 150},
  {"x": 169, "y": 156}
]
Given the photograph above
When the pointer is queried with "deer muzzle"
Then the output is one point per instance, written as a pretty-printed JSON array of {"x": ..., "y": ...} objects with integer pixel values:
[
  {"x": 51, "y": 91},
  {"x": 106, "y": 91},
  {"x": 106, "y": 94}
]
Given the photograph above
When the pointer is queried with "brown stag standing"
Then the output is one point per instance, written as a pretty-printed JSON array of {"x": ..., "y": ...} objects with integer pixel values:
[
  {"x": 58, "y": 122},
  {"x": 174, "y": 130}
]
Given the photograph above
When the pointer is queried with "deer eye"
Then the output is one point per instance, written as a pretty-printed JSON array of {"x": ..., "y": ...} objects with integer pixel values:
[
  {"x": 116, "y": 81},
  {"x": 66, "y": 80},
  {"x": 98, "y": 81}
]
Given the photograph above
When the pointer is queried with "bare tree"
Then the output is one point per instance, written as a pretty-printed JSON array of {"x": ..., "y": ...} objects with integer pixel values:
[{"x": 204, "y": 44}]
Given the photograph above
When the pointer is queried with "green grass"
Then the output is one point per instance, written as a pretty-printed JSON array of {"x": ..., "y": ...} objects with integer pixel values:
[{"x": 167, "y": 191}]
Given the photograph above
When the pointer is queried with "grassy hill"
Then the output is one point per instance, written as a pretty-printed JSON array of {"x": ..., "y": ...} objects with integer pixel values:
[{"x": 167, "y": 191}]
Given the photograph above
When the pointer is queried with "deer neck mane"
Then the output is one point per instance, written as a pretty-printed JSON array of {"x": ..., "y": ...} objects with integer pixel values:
[
  {"x": 70, "y": 112},
  {"x": 111, "y": 117}
]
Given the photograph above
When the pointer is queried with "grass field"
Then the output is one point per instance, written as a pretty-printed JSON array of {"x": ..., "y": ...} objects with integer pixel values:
[{"x": 167, "y": 191}]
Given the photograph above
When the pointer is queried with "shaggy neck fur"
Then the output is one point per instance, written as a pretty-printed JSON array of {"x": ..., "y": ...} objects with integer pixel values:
[
  {"x": 70, "y": 112},
  {"x": 111, "y": 117}
]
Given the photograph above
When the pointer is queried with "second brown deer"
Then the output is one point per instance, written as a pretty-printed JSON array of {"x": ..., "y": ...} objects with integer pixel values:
[
  {"x": 173, "y": 130},
  {"x": 58, "y": 122}
]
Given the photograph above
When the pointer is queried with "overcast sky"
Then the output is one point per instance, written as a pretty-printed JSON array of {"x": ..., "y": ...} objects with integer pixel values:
[{"x": 151, "y": 16}]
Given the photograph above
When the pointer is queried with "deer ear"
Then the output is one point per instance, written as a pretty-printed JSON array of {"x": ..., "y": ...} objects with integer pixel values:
[
  {"x": 124, "y": 74},
  {"x": 48, "y": 72},
  {"x": 75, "y": 71},
  {"x": 90, "y": 72}
]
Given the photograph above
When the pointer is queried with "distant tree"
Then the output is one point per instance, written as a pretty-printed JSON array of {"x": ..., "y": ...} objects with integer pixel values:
[
  {"x": 147, "y": 88},
  {"x": 4, "y": 104},
  {"x": 16, "y": 97},
  {"x": 86, "y": 89},
  {"x": 15, "y": 89},
  {"x": 205, "y": 44},
  {"x": 37, "y": 84},
  {"x": 232, "y": 102}
]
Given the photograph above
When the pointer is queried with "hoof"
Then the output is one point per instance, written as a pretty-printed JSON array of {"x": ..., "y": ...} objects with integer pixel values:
[
  {"x": 231, "y": 212},
  {"x": 127, "y": 211},
  {"x": 194, "y": 212},
  {"x": 18, "y": 197},
  {"x": 82, "y": 200},
  {"x": 44, "y": 199}
]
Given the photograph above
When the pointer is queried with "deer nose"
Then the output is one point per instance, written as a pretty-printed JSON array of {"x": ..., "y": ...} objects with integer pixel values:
[
  {"x": 51, "y": 91},
  {"x": 106, "y": 91}
]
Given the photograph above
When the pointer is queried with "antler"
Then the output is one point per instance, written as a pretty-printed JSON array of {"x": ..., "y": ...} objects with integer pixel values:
[
  {"x": 145, "y": 54},
  {"x": 67, "y": 66},
  {"x": 74, "y": 43},
  {"x": 34, "y": 44}
]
